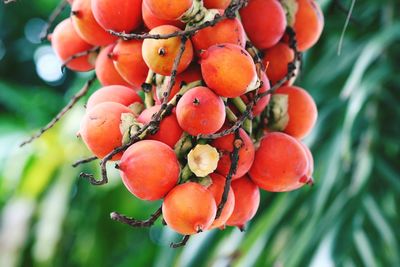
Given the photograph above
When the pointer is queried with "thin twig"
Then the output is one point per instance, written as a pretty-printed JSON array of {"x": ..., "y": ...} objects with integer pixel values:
[
  {"x": 70, "y": 105},
  {"x": 94, "y": 49},
  {"x": 181, "y": 243},
  {"x": 84, "y": 161},
  {"x": 56, "y": 12},
  {"x": 134, "y": 222}
]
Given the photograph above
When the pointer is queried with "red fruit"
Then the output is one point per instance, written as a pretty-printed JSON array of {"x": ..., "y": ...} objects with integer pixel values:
[
  {"x": 189, "y": 208},
  {"x": 167, "y": 9},
  {"x": 160, "y": 55},
  {"x": 100, "y": 128},
  {"x": 225, "y": 147},
  {"x": 191, "y": 74},
  {"x": 264, "y": 22},
  {"x": 200, "y": 111},
  {"x": 301, "y": 113},
  {"x": 105, "y": 69},
  {"x": 308, "y": 177},
  {"x": 151, "y": 21},
  {"x": 216, "y": 4},
  {"x": 279, "y": 164},
  {"x": 118, "y": 15},
  {"x": 227, "y": 31},
  {"x": 277, "y": 58},
  {"x": 128, "y": 60},
  {"x": 308, "y": 23},
  {"x": 86, "y": 25},
  {"x": 247, "y": 200},
  {"x": 264, "y": 101},
  {"x": 149, "y": 169},
  {"x": 169, "y": 132},
  {"x": 66, "y": 43},
  {"x": 113, "y": 93},
  {"x": 217, "y": 189},
  {"x": 228, "y": 70}
]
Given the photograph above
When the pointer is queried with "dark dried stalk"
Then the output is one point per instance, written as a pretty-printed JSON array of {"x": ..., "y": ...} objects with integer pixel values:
[
  {"x": 70, "y": 105},
  {"x": 230, "y": 12},
  {"x": 137, "y": 223},
  {"x": 181, "y": 243},
  {"x": 56, "y": 12},
  {"x": 94, "y": 49},
  {"x": 84, "y": 161}
]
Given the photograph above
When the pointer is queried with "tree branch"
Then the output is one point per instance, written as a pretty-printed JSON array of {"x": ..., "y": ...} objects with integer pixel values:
[
  {"x": 182, "y": 243},
  {"x": 80, "y": 54},
  {"x": 84, "y": 161},
  {"x": 137, "y": 223},
  {"x": 56, "y": 12}
]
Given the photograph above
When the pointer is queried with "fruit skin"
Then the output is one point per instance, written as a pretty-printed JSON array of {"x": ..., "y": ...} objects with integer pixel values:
[
  {"x": 167, "y": 9},
  {"x": 86, "y": 25},
  {"x": 228, "y": 69},
  {"x": 189, "y": 208},
  {"x": 105, "y": 69},
  {"x": 309, "y": 23},
  {"x": 216, "y": 4},
  {"x": 169, "y": 132},
  {"x": 226, "y": 31},
  {"x": 146, "y": 174},
  {"x": 160, "y": 55},
  {"x": 191, "y": 74},
  {"x": 200, "y": 111},
  {"x": 113, "y": 93},
  {"x": 302, "y": 111},
  {"x": 307, "y": 178},
  {"x": 225, "y": 147},
  {"x": 128, "y": 60},
  {"x": 278, "y": 57},
  {"x": 264, "y": 30},
  {"x": 103, "y": 118},
  {"x": 66, "y": 43},
  {"x": 151, "y": 21},
  {"x": 118, "y": 15},
  {"x": 217, "y": 189},
  {"x": 247, "y": 201},
  {"x": 279, "y": 164}
]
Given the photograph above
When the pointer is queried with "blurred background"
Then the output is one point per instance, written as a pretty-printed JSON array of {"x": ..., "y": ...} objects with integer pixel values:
[{"x": 48, "y": 217}]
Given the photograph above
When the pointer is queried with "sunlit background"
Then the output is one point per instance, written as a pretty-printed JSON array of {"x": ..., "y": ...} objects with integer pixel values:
[{"x": 48, "y": 217}]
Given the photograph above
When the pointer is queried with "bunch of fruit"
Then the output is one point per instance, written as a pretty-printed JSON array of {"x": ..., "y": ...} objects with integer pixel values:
[{"x": 198, "y": 107}]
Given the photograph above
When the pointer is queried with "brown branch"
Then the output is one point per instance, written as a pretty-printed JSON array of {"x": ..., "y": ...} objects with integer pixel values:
[
  {"x": 149, "y": 128},
  {"x": 234, "y": 156},
  {"x": 56, "y": 12},
  {"x": 94, "y": 49},
  {"x": 70, "y": 105},
  {"x": 84, "y": 161},
  {"x": 137, "y": 223},
  {"x": 230, "y": 12},
  {"x": 181, "y": 243}
]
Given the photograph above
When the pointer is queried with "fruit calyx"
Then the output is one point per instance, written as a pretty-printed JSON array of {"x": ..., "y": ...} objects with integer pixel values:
[{"x": 277, "y": 113}]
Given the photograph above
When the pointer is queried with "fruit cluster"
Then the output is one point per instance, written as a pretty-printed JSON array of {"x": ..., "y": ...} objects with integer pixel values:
[{"x": 198, "y": 106}]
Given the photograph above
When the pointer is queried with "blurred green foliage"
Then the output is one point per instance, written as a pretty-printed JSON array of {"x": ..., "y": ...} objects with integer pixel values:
[{"x": 349, "y": 218}]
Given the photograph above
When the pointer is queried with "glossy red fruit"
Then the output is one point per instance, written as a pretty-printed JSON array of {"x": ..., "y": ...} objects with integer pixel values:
[
  {"x": 191, "y": 74},
  {"x": 279, "y": 164},
  {"x": 149, "y": 169},
  {"x": 200, "y": 111},
  {"x": 118, "y": 15},
  {"x": 228, "y": 70},
  {"x": 169, "y": 132},
  {"x": 264, "y": 101},
  {"x": 103, "y": 118},
  {"x": 307, "y": 178},
  {"x": 247, "y": 200},
  {"x": 189, "y": 208},
  {"x": 264, "y": 22},
  {"x": 160, "y": 55},
  {"x": 308, "y": 23},
  {"x": 113, "y": 93},
  {"x": 217, "y": 189},
  {"x": 87, "y": 26},
  {"x": 66, "y": 43},
  {"x": 105, "y": 69},
  {"x": 227, "y": 31},
  {"x": 167, "y": 9},
  {"x": 128, "y": 60},
  {"x": 301, "y": 114},
  {"x": 225, "y": 148},
  {"x": 151, "y": 21},
  {"x": 278, "y": 57},
  {"x": 216, "y": 4}
]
